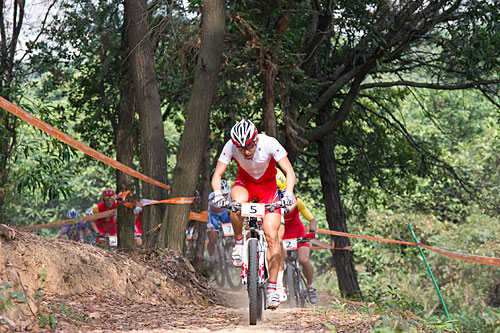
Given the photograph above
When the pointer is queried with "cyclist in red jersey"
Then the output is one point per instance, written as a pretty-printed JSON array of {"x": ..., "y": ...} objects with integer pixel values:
[
  {"x": 256, "y": 156},
  {"x": 294, "y": 228},
  {"x": 138, "y": 225},
  {"x": 105, "y": 225}
]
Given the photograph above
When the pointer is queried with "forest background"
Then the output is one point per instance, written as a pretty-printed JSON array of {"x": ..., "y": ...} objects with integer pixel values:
[{"x": 389, "y": 111}]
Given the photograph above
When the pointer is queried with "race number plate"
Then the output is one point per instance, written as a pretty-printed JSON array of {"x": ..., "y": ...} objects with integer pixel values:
[
  {"x": 227, "y": 228},
  {"x": 253, "y": 209},
  {"x": 113, "y": 241},
  {"x": 290, "y": 244}
]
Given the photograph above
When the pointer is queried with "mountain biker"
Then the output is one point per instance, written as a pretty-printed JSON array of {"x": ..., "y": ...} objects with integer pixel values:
[
  {"x": 216, "y": 215},
  {"x": 294, "y": 228},
  {"x": 138, "y": 225},
  {"x": 106, "y": 225},
  {"x": 74, "y": 231},
  {"x": 256, "y": 156}
]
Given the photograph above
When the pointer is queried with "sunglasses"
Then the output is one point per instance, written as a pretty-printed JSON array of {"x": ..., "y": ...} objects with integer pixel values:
[
  {"x": 249, "y": 147},
  {"x": 105, "y": 197}
]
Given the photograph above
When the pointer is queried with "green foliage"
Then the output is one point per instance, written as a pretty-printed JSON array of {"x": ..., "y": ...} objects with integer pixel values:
[
  {"x": 9, "y": 298},
  {"x": 47, "y": 320},
  {"x": 48, "y": 179},
  {"x": 389, "y": 274},
  {"x": 393, "y": 300}
]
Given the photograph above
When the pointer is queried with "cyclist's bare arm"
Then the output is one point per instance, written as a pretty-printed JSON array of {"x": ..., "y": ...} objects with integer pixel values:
[
  {"x": 220, "y": 168},
  {"x": 287, "y": 168},
  {"x": 313, "y": 224},
  {"x": 93, "y": 226},
  {"x": 306, "y": 213}
]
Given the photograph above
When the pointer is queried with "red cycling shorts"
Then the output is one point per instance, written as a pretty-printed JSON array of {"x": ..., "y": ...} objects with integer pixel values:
[
  {"x": 294, "y": 227},
  {"x": 265, "y": 192}
]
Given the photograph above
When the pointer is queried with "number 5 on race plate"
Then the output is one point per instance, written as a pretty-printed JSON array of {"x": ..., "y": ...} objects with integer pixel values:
[{"x": 253, "y": 209}]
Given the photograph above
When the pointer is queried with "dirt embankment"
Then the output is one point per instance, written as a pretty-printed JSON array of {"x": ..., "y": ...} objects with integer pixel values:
[{"x": 51, "y": 269}]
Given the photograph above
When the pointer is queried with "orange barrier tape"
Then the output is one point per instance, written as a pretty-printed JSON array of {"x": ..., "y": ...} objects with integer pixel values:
[
  {"x": 324, "y": 246},
  {"x": 345, "y": 234},
  {"x": 70, "y": 221},
  {"x": 491, "y": 261},
  {"x": 29, "y": 118},
  {"x": 201, "y": 217},
  {"x": 178, "y": 201},
  {"x": 468, "y": 257},
  {"x": 122, "y": 195}
]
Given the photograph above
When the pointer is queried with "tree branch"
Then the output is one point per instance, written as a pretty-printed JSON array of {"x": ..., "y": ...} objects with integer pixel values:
[
  {"x": 467, "y": 85},
  {"x": 344, "y": 108}
]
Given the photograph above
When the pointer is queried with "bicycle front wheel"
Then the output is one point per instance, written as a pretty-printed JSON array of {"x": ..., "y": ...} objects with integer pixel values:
[
  {"x": 233, "y": 276},
  {"x": 219, "y": 273},
  {"x": 300, "y": 290},
  {"x": 290, "y": 286},
  {"x": 253, "y": 282}
]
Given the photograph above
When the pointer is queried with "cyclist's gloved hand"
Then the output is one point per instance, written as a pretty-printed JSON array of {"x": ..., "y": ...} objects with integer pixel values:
[
  {"x": 219, "y": 200},
  {"x": 287, "y": 199},
  {"x": 311, "y": 234}
]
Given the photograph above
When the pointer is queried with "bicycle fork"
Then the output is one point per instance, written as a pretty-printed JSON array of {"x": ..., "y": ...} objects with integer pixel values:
[{"x": 261, "y": 253}]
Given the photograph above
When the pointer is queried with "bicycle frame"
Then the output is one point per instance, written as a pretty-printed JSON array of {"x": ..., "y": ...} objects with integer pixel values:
[
  {"x": 254, "y": 231},
  {"x": 254, "y": 256}
]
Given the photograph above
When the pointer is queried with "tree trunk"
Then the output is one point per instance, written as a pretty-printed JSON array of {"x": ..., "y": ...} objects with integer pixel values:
[
  {"x": 8, "y": 122},
  {"x": 125, "y": 155},
  {"x": 204, "y": 190},
  {"x": 268, "y": 70},
  {"x": 153, "y": 148},
  {"x": 342, "y": 259},
  {"x": 190, "y": 156}
]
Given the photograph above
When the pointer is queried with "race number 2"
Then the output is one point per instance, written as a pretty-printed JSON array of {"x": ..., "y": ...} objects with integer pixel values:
[{"x": 290, "y": 244}]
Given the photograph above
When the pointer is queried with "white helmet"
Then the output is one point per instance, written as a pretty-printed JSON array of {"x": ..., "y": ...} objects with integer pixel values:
[
  {"x": 72, "y": 214},
  {"x": 89, "y": 211},
  {"x": 243, "y": 133},
  {"x": 225, "y": 187}
]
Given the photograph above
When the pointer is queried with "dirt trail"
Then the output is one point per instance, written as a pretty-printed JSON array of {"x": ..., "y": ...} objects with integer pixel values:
[
  {"x": 233, "y": 315},
  {"x": 272, "y": 321}
]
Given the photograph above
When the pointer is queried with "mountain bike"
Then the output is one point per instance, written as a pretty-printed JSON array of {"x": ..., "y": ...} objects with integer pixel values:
[
  {"x": 107, "y": 242},
  {"x": 254, "y": 270},
  {"x": 225, "y": 271},
  {"x": 190, "y": 239},
  {"x": 296, "y": 286}
]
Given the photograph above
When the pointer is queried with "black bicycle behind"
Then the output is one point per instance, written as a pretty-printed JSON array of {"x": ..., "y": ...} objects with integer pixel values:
[
  {"x": 225, "y": 272},
  {"x": 296, "y": 286}
]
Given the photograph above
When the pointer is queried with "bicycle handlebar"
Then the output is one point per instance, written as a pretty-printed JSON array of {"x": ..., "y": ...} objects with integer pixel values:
[
  {"x": 302, "y": 240},
  {"x": 270, "y": 207}
]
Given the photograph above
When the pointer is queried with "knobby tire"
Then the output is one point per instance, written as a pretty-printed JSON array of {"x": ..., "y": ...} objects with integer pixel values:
[
  {"x": 253, "y": 282},
  {"x": 290, "y": 285},
  {"x": 233, "y": 274},
  {"x": 219, "y": 273},
  {"x": 297, "y": 280}
]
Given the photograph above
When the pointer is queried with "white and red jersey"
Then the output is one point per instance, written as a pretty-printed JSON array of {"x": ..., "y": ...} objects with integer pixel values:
[{"x": 262, "y": 166}]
